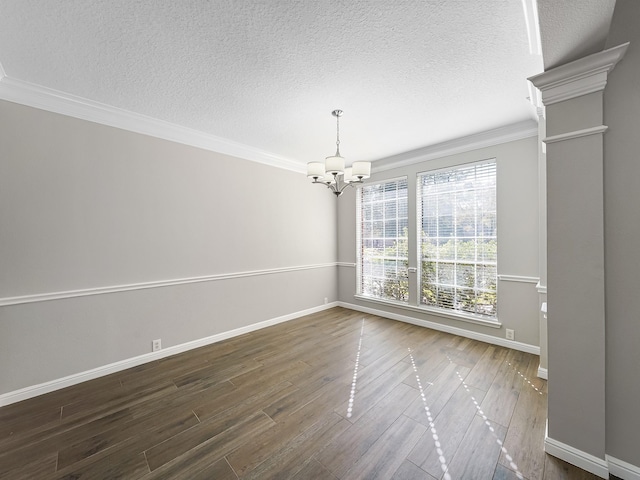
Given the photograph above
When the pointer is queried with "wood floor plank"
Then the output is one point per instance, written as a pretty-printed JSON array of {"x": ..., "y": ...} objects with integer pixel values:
[
  {"x": 187, "y": 460},
  {"x": 478, "y": 453},
  {"x": 290, "y": 403},
  {"x": 503, "y": 473},
  {"x": 438, "y": 446},
  {"x": 220, "y": 470},
  {"x": 228, "y": 419},
  {"x": 346, "y": 450},
  {"x": 410, "y": 471},
  {"x": 557, "y": 469},
  {"x": 122, "y": 465},
  {"x": 13, "y": 426},
  {"x": 525, "y": 438},
  {"x": 249, "y": 398},
  {"x": 368, "y": 395},
  {"x": 287, "y": 427},
  {"x": 272, "y": 374},
  {"x": 41, "y": 442},
  {"x": 437, "y": 392},
  {"x": 314, "y": 470},
  {"x": 380, "y": 461},
  {"x": 43, "y": 467},
  {"x": 287, "y": 461},
  {"x": 211, "y": 374},
  {"x": 500, "y": 401},
  {"x": 87, "y": 409},
  {"x": 485, "y": 370},
  {"x": 58, "y": 398},
  {"x": 153, "y": 429}
]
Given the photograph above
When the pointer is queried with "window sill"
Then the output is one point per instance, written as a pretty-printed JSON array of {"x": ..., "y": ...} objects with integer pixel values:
[{"x": 431, "y": 311}]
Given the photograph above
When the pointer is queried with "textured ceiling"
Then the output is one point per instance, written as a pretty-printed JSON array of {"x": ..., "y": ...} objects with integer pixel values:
[
  {"x": 572, "y": 29},
  {"x": 408, "y": 73}
]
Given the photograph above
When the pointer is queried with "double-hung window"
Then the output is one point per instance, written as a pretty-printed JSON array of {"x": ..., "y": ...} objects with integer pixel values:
[
  {"x": 457, "y": 240},
  {"x": 382, "y": 240}
]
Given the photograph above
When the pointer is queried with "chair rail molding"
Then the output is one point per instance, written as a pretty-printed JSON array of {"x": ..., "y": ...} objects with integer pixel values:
[{"x": 43, "y": 297}]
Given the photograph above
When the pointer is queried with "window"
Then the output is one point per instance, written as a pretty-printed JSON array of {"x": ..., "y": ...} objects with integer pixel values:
[
  {"x": 382, "y": 240},
  {"x": 458, "y": 239}
]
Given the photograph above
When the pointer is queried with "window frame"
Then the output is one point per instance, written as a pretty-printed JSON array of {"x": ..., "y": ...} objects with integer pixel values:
[
  {"x": 359, "y": 242},
  {"x": 453, "y": 311}
]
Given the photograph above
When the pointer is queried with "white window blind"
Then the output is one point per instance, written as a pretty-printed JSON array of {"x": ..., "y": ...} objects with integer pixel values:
[
  {"x": 458, "y": 239},
  {"x": 382, "y": 221}
]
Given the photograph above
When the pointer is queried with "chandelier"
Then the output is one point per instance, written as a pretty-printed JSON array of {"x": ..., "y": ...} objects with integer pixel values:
[{"x": 332, "y": 173}]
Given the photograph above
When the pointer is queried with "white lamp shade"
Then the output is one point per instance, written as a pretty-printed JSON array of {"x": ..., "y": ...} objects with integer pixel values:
[
  {"x": 315, "y": 170},
  {"x": 334, "y": 164},
  {"x": 348, "y": 176},
  {"x": 361, "y": 169}
]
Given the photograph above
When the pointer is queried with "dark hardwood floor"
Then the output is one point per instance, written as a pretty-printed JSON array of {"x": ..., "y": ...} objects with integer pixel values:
[{"x": 334, "y": 395}]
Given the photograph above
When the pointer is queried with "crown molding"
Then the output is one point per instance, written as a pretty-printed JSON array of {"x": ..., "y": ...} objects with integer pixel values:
[
  {"x": 533, "y": 26},
  {"x": 24, "y": 93},
  {"x": 581, "y": 77},
  {"x": 489, "y": 138}
]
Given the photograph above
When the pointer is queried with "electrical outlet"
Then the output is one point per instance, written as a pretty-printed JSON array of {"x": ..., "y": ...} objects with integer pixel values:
[
  {"x": 156, "y": 345},
  {"x": 510, "y": 334}
]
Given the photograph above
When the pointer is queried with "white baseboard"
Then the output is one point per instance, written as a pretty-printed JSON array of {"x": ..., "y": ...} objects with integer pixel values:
[
  {"x": 40, "y": 389},
  {"x": 622, "y": 469},
  {"x": 576, "y": 457},
  {"x": 543, "y": 373},
  {"x": 503, "y": 342}
]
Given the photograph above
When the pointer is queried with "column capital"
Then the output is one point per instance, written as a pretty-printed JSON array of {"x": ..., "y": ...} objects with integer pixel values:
[{"x": 581, "y": 77}]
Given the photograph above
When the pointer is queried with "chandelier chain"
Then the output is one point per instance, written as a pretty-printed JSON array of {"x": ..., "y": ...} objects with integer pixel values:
[{"x": 337, "y": 135}]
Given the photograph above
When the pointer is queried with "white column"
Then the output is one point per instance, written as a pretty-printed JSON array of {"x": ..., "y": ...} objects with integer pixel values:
[{"x": 572, "y": 96}]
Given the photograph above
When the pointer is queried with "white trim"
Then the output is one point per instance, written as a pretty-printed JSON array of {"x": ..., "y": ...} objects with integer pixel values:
[
  {"x": 490, "y": 138},
  {"x": 44, "y": 98},
  {"x": 523, "y": 347},
  {"x": 438, "y": 312},
  {"x": 543, "y": 373},
  {"x": 43, "y": 297},
  {"x": 35, "y": 390},
  {"x": 459, "y": 166},
  {"x": 518, "y": 278},
  {"x": 577, "y": 134},
  {"x": 535, "y": 99},
  {"x": 581, "y": 77},
  {"x": 346, "y": 264},
  {"x": 384, "y": 180},
  {"x": 576, "y": 457},
  {"x": 533, "y": 26},
  {"x": 622, "y": 469},
  {"x": 542, "y": 289}
]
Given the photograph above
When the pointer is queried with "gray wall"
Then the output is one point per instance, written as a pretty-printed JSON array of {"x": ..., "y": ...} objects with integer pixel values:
[
  {"x": 622, "y": 237},
  {"x": 575, "y": 255},
  {"x": 85, "y": 206},
  {"x": 517, "y": 167}
]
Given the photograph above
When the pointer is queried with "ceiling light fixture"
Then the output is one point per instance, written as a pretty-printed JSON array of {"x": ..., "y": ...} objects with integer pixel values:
[{"x": 333, "y": 173}]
